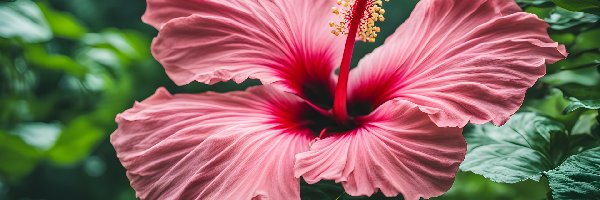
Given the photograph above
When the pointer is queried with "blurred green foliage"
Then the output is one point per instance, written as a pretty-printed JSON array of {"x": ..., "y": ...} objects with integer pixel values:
[
  {"x": 62, "y": 83},
  {"x": 67, "y": 67}
]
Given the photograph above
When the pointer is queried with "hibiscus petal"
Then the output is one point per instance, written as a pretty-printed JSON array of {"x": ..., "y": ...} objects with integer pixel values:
[
  {"x": 211, "y": 146},
  {"x": 397, "y": 149},
  {"x": 288, "y": 42},
  {"x": 459, "y": 61},
  {"x": 159, "y": 12}
]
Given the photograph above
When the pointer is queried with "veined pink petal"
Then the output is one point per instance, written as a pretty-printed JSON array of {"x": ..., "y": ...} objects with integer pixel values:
[
  {"x": 212, "y": 146},
  {"x": 397, "y": 149},
  {"x": 459, "y": 61},
  {"x": 159, "y": 12},
  {"x": 288, "y": 42}
]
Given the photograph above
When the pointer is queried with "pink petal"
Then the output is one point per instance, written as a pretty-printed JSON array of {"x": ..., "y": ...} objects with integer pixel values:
[
  {"x": 282, "y": 41},
  {"x": 212, "y": 146},
  {"x": 159, "y": 12},
  {"x": 459, "y": 61},
  {"x": 397, "y": 149}
]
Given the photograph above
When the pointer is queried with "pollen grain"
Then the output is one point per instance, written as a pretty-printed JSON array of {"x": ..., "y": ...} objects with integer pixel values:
[{"x": 367, "y": 30}]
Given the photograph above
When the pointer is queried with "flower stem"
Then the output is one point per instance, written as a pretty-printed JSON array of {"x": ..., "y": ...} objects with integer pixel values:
[{"x": 340, "y": 112}]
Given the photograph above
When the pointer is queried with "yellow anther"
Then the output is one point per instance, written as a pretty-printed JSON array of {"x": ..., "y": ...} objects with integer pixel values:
[
  {"x": 335, "y": 10},
  {"x": 376, "y": 8},
  {"x": 367, "y": 30}
]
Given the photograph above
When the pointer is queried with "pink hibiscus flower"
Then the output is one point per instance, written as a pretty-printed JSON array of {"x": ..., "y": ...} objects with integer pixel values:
[{"x": 397, "y": 130}]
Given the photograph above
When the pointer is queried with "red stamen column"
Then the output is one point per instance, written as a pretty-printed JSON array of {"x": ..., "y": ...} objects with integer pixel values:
[{"x": 339, "y": 104}]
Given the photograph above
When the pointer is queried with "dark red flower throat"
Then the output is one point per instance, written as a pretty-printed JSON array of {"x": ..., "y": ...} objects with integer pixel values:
[{"x": 359, "y": 20}]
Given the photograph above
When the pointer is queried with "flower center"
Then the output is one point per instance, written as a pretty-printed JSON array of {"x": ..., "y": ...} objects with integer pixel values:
[{"x": 357, "y": 19}]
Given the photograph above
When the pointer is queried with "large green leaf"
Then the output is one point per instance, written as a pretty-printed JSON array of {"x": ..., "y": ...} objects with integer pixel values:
[
  {"x": 24, "y": 20},
  {"x": 517, "y": 151},
  {"x": 578, "y": 177}
]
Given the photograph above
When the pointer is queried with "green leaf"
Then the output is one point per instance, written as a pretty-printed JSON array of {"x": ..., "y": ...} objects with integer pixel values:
[
  {"x": 576, "y": 104},
  {"x": 589, "y": 6},
  {"x": 587, "y": 40},
  {"x": 129, "y": 44},
  {"x": 585, "y": 123},
  {"x": 37, "y": 55},
  {"x": 101, "y": 56},
  {"x": 23, "y": 20},
  {"x": 114, "y": 49},
  {"x": 533, "y": 2},
  {"x": 76, "y": 141},
  {"x": 468, "y": 185},
  {"x": 561, "y": 19},
  {"x": 552, "y": 106},
  {"x": 63, "y": 24},
  {"x": 581, "y": 92},
  {"x": 563, "y": 38},
  {"x": 329, "y": 190},
  {"x": 578, "y": 177},
  {"x": 579, "y": 61},
  {"x": 17, "y": 157},
  {"x": 38, "y": 135},
  {"x": 322, "y": 190},
  {"x": 376, "y": 196},
  {"x": 585, "y": 77},
  {"x": 517, "y": 151}
]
